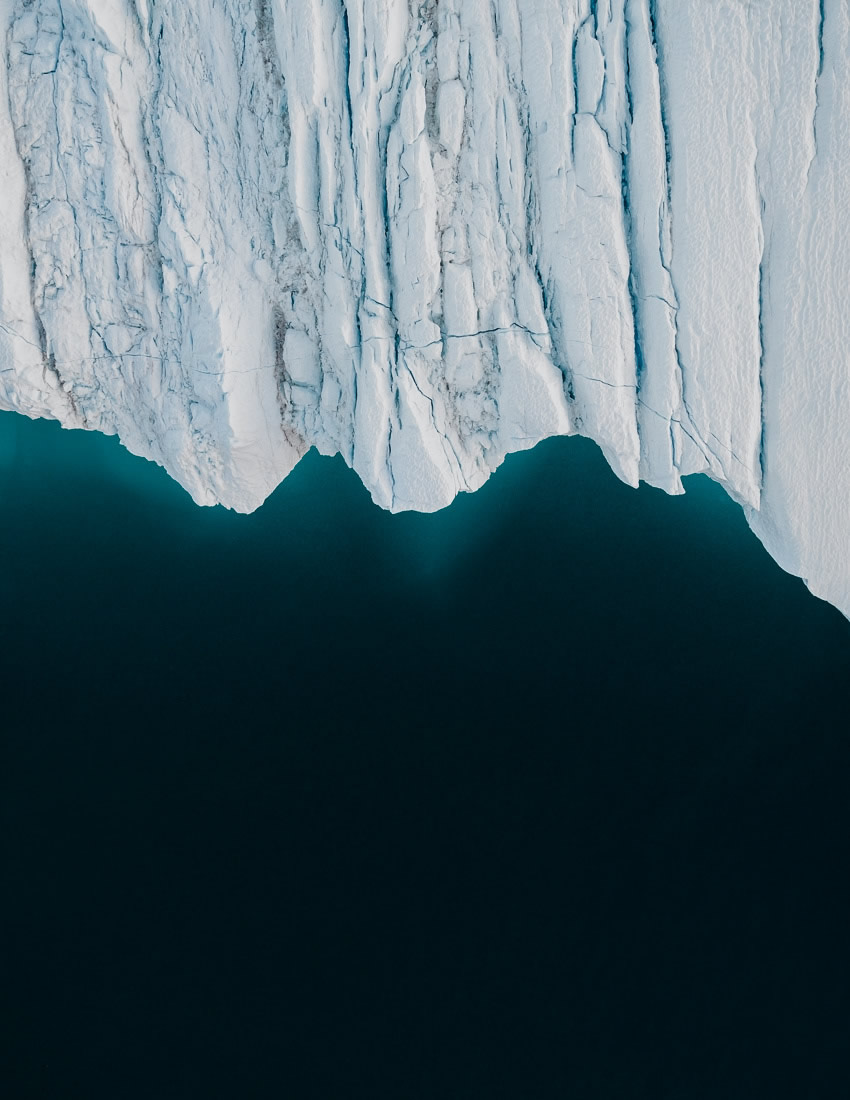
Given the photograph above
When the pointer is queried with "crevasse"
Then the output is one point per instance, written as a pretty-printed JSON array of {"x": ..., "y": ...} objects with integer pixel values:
[{"x": 426, "y": 235}]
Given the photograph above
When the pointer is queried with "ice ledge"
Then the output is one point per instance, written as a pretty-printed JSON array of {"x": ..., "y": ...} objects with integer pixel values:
[{"x": 427, "y": 237}]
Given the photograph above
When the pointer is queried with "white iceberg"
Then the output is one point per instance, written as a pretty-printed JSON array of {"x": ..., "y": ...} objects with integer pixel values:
[{"x": 424, "y": 236}]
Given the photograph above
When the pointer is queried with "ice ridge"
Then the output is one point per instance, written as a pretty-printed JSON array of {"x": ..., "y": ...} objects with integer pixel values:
[{"x": 424, "y": 235}]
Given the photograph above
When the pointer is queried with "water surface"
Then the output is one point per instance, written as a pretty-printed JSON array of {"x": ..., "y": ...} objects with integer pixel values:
[{"x": 543, "y": 795}]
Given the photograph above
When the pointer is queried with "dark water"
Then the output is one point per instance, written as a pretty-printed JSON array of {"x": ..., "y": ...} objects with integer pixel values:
[{"x": 546, "y": 795}]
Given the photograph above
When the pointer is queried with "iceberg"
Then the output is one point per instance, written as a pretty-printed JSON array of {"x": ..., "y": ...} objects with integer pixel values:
[{"x": 424, "y": 236}]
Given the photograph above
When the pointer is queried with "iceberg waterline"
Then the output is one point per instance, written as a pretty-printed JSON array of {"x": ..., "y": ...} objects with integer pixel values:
[{"x": 426, "y": 235}]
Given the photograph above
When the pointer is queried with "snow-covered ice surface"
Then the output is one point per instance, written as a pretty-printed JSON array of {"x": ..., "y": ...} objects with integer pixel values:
[{"x": 424, "y": 235}]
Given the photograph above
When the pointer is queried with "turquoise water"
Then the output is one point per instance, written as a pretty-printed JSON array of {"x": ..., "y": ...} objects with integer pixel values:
[{"x": 543, "y": 795}]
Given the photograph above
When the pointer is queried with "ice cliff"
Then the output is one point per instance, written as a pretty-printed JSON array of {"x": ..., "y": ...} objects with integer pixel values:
[{"x": 424, "y": 235}]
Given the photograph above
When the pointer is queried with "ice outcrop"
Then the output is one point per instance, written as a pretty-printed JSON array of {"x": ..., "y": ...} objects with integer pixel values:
[{"x": 424, "y": 235}]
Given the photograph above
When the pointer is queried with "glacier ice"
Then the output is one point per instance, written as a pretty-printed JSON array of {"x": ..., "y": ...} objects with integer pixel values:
[{"x": 424, "y": 235}]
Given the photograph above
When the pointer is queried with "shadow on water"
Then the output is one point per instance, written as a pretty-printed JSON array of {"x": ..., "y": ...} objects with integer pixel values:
[{"x": 545, "y": 794}]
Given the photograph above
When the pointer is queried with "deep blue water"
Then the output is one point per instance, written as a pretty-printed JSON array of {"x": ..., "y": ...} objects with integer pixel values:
[{"x": 547, "y": 794}]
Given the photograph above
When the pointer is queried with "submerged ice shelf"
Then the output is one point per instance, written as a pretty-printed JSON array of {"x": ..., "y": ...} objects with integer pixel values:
[{"x": 424, "y": 235}]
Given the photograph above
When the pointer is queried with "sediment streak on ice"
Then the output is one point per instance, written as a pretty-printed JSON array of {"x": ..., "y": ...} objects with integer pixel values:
[{"x": 426, "y": 235}]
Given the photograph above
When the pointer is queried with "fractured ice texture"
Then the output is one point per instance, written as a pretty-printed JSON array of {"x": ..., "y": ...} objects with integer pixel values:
[{"x": 424, "y": 235}]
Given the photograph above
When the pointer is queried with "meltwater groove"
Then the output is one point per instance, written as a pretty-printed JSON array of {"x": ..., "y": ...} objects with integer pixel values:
[{"x": 426, "y": 236}]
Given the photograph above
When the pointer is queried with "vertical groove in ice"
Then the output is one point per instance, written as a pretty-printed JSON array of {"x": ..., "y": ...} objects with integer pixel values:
[{"x": 426, "y": 235}]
